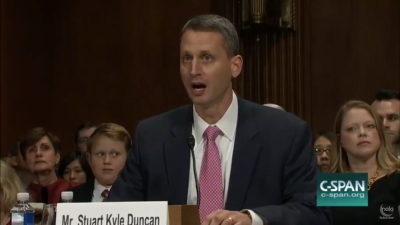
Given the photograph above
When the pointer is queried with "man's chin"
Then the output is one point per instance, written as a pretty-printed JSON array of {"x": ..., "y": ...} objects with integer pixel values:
[
  {"x": 393, "y": 138},
  {"x": 199, "y": 101}
]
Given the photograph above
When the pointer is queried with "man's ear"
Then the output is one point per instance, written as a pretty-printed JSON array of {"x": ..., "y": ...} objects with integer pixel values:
[
  {"x": 89, "y": 159},
  {"x": 236, "y": 65}
]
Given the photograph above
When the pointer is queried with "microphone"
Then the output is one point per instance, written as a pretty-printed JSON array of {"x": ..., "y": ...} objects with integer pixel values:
[{"x": 191, "y": 142}]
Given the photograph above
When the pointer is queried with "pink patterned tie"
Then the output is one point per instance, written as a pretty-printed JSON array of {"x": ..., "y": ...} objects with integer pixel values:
[{"x": 211, "y": 188}]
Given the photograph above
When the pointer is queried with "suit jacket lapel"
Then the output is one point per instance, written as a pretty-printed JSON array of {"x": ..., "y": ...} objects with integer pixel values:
[
  {"x": 89, "y": 188},
  {"x": 177, "y": 156},
  {"x": 84, "y": 193},
  {"x": 244, "y": 158}
]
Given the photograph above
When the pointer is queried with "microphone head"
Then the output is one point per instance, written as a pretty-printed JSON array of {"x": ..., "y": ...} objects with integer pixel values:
[{"x": 190, "y": 141}]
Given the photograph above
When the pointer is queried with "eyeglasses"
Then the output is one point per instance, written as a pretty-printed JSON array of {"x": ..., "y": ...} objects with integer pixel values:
[{"x": 320, "y": 151}]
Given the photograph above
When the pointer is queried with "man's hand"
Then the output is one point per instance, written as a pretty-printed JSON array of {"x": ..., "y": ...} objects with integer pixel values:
[{"x": 224, "y": 217}]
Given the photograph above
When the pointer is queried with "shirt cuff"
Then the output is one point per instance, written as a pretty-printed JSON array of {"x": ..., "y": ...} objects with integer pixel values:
[{"x": 255, "y": 219}]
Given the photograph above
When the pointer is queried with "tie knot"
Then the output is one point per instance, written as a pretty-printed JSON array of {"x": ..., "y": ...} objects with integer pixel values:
[
  {"x": 104, "y": 194},
  {"x": 211, "y": 133}
]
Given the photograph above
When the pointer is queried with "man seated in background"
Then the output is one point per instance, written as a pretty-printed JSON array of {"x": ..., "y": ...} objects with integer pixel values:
[
  {"x": 82, "y": 135},
  {"x": 387, "y": 105}
]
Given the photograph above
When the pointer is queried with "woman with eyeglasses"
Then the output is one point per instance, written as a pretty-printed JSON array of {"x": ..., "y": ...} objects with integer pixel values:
[{"x": 322, "y": 147}]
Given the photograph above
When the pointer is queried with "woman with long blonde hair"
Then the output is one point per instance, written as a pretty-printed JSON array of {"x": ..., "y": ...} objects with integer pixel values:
[
  {"x": 10, "y": 185},
  {"x": 362, "y": 147}
]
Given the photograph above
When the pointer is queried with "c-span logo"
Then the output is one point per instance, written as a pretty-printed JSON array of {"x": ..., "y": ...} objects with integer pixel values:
[{"x": 342, "y": 189}]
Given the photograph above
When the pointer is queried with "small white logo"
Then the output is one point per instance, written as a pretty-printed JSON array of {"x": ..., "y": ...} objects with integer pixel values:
[{"x": 386, "y": 212}]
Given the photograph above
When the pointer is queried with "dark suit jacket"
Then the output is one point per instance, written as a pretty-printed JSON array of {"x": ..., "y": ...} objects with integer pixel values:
[
  {"x": 273, "y": 166},
  {"x": 83, "y": 192}
]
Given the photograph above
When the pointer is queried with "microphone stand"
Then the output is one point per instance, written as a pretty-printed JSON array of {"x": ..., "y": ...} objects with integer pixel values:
[{"x": 191, "y": 143}]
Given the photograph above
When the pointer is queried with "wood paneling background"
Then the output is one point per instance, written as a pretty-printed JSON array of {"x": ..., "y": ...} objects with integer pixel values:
[
  {"x": 26, "y": 47},
  {"x": 341, "y": 50},
  {"x": 354, "y": 51},
  {"x": 274, "y": 70},
  {"x": 274, "y": 62},
  {"x": 63, "y": 62}
]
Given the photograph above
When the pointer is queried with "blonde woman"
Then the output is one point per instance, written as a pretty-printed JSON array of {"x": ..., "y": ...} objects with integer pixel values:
[
  {"x": 362, "y": 147},
  {"x": 10, "y": 185}
]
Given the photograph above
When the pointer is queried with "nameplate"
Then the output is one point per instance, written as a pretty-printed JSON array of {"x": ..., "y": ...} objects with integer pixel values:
[{"x": 112, "y": 213}]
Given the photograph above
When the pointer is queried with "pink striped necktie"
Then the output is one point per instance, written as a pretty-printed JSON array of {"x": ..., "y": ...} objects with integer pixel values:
[{"x": 211, "y": 187}]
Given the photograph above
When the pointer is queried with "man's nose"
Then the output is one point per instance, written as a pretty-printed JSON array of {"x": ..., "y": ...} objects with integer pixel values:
[
  {"x": 386, "y": 123},
  {"x": 195, "y": 67}
]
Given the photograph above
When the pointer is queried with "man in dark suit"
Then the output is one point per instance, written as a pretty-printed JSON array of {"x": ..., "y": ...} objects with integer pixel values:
[{"x": 253, "y": 164}]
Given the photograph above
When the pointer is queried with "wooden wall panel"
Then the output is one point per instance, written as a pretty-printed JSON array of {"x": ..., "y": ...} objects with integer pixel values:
[
  {"x": 272, "y": 73},
  {"x": 355, "y": 51},
  {"x": 3, "y": 78},
  {"x": 341, "y": 50},
  {"x": 26, "y": 62},
  {"x": 64, "y": 62},
  {"x": 273, "y": 64}
]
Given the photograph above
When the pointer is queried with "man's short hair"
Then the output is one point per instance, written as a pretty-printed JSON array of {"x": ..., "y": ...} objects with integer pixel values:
[
  {"x": 83, "y": 126},
  {"x": 386, "y": 95},
  {"x": 210, "y": 22}
]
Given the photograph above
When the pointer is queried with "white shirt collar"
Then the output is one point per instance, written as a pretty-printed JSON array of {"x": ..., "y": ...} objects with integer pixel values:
[
  {"x": 98, "y": 188},
  {"x": 227, "y": 124}
]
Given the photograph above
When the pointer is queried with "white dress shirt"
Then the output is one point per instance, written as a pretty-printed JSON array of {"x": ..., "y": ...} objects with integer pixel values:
[
  {"x": 98, "y": 189},
  {"x": 225, "y": 142}
]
